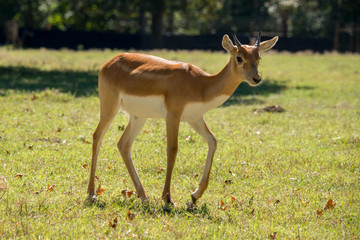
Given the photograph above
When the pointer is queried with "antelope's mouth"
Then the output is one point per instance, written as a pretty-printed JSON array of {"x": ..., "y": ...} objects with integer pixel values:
[{"x": 256, "y": 80}]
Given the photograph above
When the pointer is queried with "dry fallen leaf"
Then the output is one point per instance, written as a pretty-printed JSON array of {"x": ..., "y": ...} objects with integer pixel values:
[
  {"x": 273, "y": 235},
  {"x": 329, "y": 205},
  {"x": 84, "y": 166},
  {"x": 127, "y": 193},
  {"x": 19, "y": 175},
  {"x": 233, "y": 198},
  {"x": 130, "y": 215},
  {"x": 113, "y": 225},
  {"x": 99, "y": 190},
  {"x": 123, "y": 192},
  {"x": 222, "y": 207},
  {"x": 277, "y": 202},
  {"x": 304, "y": 203},
  {"x": 130, "y": 193},
  {"x": 97, "y": 178},
  {"x": 51, "y": 188},
  {"x": 319, "y": 212}
]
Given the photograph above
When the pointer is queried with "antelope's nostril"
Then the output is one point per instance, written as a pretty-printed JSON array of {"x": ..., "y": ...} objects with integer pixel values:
[{"x": 257, "y": 80}]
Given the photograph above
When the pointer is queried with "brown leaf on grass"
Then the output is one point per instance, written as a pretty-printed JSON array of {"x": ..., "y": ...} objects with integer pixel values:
[
  {"x": 124, "y": 180},
  {"x": 34, "y": 97},
  {"x": 221, "y": 205},
  {"x": 99, "y": 190},
  {"x": 273, "y": 235},
  {"x": 130, "y": 215},
  {"x": 329, "y": 205},
  {"x": 59, "y": 129},
  {"x": 196, "y": 175},
  {"x": 84, "y": 166},
  {"x": 18, "y": 175},
  {"x": 97, "y": 178},
  {"x": 127, "y": 193},
  {"x": 159, "y": 170},
  {"x": 51, "y": 188},
  {"x": 113, "y": 225},
  {"x": 319, "y": 212},
  {"x": 130, "y": 193},
  {"x": 233, "y": 199},
  {"x": 277, "y": 202}
]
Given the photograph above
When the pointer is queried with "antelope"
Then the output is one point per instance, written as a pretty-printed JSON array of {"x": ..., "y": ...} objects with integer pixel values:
[{"x": 146, "y": 86}]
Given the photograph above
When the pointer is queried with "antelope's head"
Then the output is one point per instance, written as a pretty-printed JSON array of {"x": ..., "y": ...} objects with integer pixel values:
[{"x": 245, "y": 59}]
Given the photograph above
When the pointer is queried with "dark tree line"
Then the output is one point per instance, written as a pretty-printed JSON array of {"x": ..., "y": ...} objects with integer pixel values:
[{"x": 289, "y": 18}]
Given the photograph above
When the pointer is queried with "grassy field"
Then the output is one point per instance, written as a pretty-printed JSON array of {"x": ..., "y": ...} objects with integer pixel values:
[{"x": 273, "y": 175}]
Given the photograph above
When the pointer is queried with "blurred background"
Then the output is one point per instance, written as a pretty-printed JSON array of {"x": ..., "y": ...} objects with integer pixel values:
[{"x": 317, "y": 25}]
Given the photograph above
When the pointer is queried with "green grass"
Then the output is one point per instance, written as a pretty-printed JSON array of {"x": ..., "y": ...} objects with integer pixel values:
[{"x": 283, "y": 167}]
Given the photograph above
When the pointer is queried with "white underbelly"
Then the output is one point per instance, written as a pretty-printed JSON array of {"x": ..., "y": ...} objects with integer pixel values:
[
  {"x": 144, "y": 107},
  {"x": 154, "y": 107}
]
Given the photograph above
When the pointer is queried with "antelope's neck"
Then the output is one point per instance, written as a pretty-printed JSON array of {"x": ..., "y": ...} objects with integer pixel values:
[{"x": 222, "y": 83}]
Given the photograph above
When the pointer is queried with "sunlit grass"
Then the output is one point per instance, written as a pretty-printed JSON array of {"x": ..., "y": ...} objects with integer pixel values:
[{"x": 283, "y": 167}]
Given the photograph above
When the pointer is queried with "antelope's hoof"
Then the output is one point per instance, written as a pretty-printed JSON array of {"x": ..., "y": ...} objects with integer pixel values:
[
  {"x": 168, "y": 201},
  {"x": 193, "y": 199},
  {"x": 90, "y": 199}
]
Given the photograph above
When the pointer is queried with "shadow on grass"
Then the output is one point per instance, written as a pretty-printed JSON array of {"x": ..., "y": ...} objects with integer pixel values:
[
  {"x": 269, "y": 86},
  {"x": 156, "y": 209},
  {"x": 84, "y": 83},
  {"x": 78, "y": 83}
]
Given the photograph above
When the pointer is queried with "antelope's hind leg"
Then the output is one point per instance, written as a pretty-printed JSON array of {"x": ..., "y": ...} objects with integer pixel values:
[
  {"x": 124, "y": 145},
  {"x": 202, "y": 129}
]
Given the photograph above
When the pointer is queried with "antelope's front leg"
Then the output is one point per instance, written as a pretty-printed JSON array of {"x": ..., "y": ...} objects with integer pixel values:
[
  {"x": 172, "y": 131},
  {"x": 201, "y": 128}
]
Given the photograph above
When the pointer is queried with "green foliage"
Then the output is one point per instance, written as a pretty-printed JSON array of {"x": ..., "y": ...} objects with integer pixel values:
[
  {"x": 282, "y": 167},
  {"x": 306, "y": 18}
]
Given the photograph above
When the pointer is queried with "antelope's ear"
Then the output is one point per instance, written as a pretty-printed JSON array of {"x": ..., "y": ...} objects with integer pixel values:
[
  {"x": 267, "y": 45},
  {"x": 227, "y": 44}
]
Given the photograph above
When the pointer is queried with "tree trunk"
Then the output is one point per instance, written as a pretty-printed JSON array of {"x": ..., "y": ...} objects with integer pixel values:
[
  {"x": 157, "y": 24},
  {"x": 30, "y": 14}
]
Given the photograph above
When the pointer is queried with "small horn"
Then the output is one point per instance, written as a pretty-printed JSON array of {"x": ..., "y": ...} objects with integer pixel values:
[
  {"x": 257, "y": 44},
  {"x": 238, "y": 44}
]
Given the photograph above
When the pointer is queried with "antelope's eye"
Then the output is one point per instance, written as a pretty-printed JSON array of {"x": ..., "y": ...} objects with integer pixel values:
[{"x": 239, "y": 59}]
